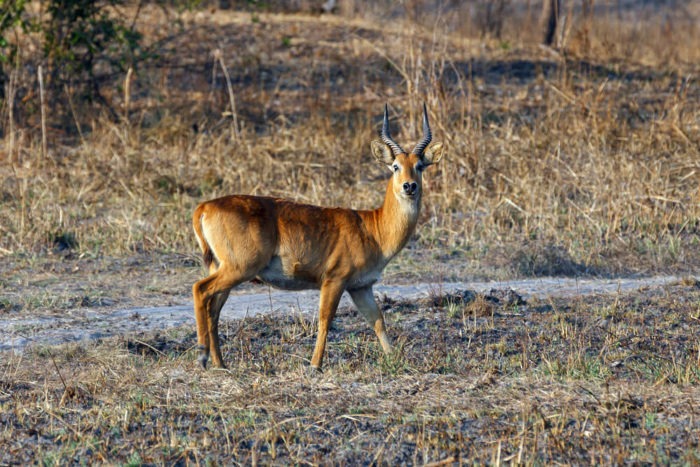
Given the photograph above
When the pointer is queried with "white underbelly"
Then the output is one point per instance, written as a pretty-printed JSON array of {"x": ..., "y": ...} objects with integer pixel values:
[
  {"x": 274, "y": 275},
  {"x": 364, "y": 280}
]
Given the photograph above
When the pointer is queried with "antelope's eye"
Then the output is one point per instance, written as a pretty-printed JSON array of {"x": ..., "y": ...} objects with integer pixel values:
[
  {"x": 420, "y": 167},
  {"x": 396, "y": 167}
]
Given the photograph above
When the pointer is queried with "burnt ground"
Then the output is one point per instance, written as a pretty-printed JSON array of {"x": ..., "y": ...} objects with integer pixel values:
[{"x": 607, "y": 378}]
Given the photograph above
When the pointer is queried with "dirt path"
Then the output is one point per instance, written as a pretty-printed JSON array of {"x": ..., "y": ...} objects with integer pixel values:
[{"x": 87, "y": 324}]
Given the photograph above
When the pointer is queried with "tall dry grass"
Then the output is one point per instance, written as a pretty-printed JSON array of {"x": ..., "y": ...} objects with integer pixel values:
[{"x": 578, "y": 160}]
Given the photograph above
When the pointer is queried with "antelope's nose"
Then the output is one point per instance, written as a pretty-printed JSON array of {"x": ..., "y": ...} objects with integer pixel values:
[{"x": 410, "y": 188}]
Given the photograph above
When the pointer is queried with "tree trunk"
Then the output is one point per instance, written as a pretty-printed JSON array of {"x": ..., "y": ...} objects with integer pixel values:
[{"x": 550, "y": 19}]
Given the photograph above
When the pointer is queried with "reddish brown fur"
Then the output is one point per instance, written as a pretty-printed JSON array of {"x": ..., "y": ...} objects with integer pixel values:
[{"x": 298, "y": 246}]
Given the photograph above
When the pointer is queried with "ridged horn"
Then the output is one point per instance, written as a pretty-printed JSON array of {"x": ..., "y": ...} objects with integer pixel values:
[
  {"x": 427, "y": 136},
  {"x": 386, "y": 137}
]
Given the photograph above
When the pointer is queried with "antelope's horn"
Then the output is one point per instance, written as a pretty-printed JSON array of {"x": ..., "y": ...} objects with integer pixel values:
[
  {"x": 386, "y": 137},
  {"x": 427, "y": 136}
]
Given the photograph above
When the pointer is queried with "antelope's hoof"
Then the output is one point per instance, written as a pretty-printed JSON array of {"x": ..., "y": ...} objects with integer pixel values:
[
  {"x": 203, "y": 357},
  {"x": 203, "y": 361},
  {"x": 314, "y": 370}
]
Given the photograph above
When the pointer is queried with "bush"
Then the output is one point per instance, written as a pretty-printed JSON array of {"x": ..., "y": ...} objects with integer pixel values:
[
  {"x": 82, "y": 41},
  {"x": 11, "y": 17}
]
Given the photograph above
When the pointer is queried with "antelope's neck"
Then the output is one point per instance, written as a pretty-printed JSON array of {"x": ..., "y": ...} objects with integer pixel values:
[{"x": 394, "y": 222}]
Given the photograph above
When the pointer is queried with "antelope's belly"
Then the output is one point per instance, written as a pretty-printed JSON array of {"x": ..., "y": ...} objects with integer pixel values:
[
  {"x": 276, "y": 275},
  {"x": 365, "y": 278}
]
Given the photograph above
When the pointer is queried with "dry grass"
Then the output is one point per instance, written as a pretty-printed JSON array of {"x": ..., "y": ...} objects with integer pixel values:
[
  {"x": 605, "y": 380},
  {"x": 559, "y": 162}
]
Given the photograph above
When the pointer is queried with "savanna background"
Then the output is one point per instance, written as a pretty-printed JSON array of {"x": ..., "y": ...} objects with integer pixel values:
[{"x": 572, "y": 151}]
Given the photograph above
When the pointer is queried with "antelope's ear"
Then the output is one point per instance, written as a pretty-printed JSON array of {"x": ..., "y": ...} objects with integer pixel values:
[
  {"x": 382, "y": 153},
  {"x": 433, "y": 154}
]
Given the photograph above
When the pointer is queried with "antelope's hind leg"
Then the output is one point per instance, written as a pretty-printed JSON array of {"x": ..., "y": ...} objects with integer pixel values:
[
  {"x": 209, "y": 295},
  {"x": 217, "y": 302}
]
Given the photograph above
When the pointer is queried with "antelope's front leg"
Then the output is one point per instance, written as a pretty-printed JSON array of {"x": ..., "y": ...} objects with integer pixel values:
[
  {"x": 331, "y": 292},
  {"x": 365, "y": 303}
]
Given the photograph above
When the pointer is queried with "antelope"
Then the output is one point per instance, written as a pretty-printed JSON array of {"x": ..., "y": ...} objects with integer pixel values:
[{"x": 296, "y": 246}]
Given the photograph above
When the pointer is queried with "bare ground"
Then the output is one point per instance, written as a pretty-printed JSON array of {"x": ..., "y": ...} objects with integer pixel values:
[{"x": 63, "y": 311}]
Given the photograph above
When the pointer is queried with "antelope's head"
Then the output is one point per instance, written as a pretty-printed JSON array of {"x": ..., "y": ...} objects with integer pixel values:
[{"x": 407, "y": 168}]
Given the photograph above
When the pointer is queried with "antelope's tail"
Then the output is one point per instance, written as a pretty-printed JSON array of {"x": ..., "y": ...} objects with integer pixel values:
[{"x": 207, "y": 254}]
